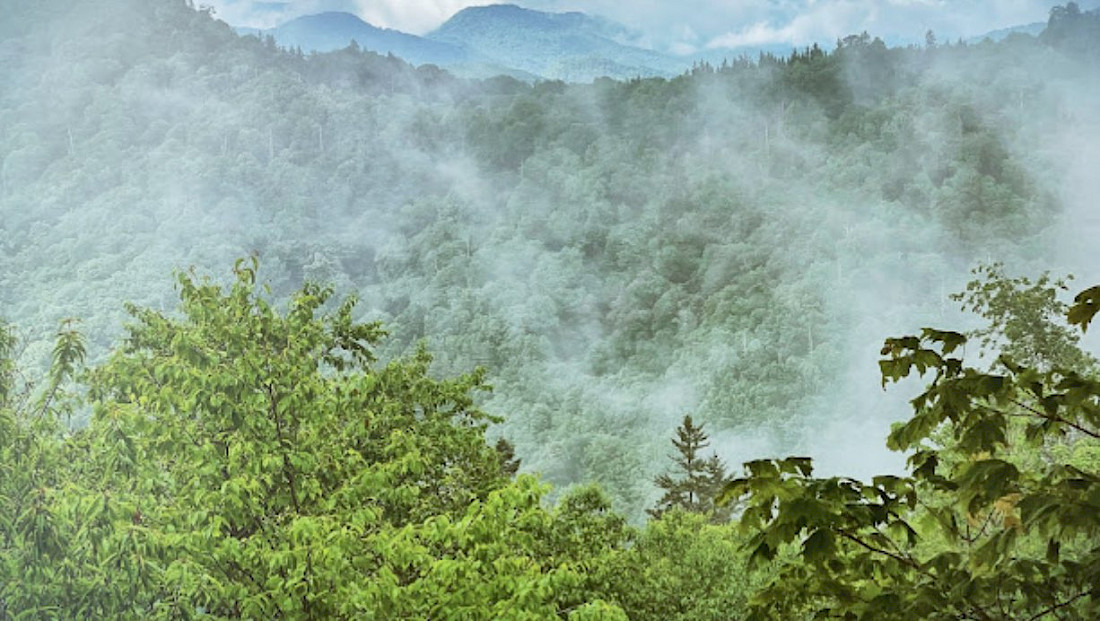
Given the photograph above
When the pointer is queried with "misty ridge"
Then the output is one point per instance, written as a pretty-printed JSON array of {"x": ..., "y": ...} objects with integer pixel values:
[
  {"x": 732, "y": 241},
  {"x": 499, "y": 39}
]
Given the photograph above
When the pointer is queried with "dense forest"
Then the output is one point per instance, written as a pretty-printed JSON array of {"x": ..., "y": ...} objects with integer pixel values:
[{"x": 596, "y": 269}]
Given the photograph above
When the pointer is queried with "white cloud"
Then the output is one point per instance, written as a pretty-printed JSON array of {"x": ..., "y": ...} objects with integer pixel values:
[
  {"x": 415, "y": 16},
  {"x": 758, "y": 34},
  {"x": 680, "y": 48},
  {"x": 269, "y": 13},
  {"x": 823, "y": 21}
]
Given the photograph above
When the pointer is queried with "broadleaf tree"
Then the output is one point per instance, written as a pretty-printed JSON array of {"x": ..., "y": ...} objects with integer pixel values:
[
  {"x": 245, "y": 461},
  {"x": 973, "y": 531}
]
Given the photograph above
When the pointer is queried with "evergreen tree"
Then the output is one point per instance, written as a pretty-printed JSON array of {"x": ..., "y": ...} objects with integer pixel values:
[
  {"x": 700, "y": 479},
  {"x": 509, "y": 463}
]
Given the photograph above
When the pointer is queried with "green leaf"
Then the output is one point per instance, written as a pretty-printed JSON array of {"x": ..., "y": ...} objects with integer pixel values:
[
  {"x": 819, "y": 547},
  {"x": 1084, "y": 308}
]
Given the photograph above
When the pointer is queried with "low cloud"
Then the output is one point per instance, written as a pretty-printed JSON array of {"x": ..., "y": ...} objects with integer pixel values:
[
  {"x": 414, "y": 16},
  {"x": 801, "y": 22},
  {"x": 895, "y": 20},
  {"x": 270, "y": 14}
]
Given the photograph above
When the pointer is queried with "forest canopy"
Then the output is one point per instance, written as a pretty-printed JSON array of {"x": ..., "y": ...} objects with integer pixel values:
[
  {"x": 246, "y": 460},
  {"x": 661, "y": 279}
]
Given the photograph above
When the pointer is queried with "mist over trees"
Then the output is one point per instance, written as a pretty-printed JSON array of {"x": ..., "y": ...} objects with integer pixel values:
[
  {"x": 613, "y": 251},
  {"x": 733, "y": 243}
]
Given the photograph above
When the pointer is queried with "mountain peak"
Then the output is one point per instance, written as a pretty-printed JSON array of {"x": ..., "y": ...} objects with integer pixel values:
[
  {"x": 492, "y": 39},
  {"x": 332, "y": 22},
  {"x": 511, "y": 16},
  {"x": 571, "y": 46},
  {"x": 330, "y": 16}
]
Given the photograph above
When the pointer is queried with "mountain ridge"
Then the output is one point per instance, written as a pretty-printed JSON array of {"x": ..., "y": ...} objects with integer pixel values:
[
  {"x": 528, "y": 44},
  {"x": 333, "y": 30},
  {"x": 491, "y": 40},
  {"x": 571, "y": 46}
]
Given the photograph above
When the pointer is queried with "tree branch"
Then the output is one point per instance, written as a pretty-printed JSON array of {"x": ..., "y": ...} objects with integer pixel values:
[
  {"x": 905, "y": 560},
  {"x": 288, "y": 472},
  {"x": 1055, "y": 608},
  {"x": 1056, "y": 419}
]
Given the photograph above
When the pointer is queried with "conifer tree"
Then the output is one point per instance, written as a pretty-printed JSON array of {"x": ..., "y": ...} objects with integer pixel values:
[
  {"x": 509, "y": 463},
  {"x": 700, "y": 478}
]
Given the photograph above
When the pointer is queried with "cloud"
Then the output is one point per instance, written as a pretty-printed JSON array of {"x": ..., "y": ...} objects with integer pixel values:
[
  {"x": 722, "y": 23},
  {"x": 823, "y": 21},
  {"x": 414, "y": 16},
  {"x": 269, "y": 14}
]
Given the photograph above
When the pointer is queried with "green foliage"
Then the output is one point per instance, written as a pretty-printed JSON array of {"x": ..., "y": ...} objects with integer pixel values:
[
  {"x": 1073, "y": 30},
  {"x": 251, "y": 461},
  {"x": 604, "y": 248},
  {"x": 248, "y": 462},
  {"x": 32, "y": 465},
  {"x": 1085, "y": 307},
  {"x": 680, "y": 567},
  {"x": 1025, "y": 318},
  {"x": 972, "y": 532},
  {"x": 7, "y": 362}
]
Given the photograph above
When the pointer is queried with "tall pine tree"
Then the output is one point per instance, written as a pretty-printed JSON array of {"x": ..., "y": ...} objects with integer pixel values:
[{"x": 698, "y": 480}]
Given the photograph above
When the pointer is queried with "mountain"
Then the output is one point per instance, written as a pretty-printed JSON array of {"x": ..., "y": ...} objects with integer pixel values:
[
  {"x": 569, "y": 46},
  {"x": 487, "y": 41},
  {"x": 479, "y": 21},
  {"x": 505, "y": 39},
  {"x": 326, "y": 32},
  {"x": 1032, "y": 29},
  {"x": 1036, "y": 28}
]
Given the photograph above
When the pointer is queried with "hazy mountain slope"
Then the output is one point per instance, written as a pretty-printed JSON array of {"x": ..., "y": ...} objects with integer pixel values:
[
  {"x": 996, "y": 35},
  {"x": 571, "y": 46},
  {"x": 481, "y": 42},
  {"x": 325, "y": 32}
]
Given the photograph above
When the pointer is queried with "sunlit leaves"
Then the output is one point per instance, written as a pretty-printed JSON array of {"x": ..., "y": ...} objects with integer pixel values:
[
  {"x": 250, "y": 461},
  {"x": 7, "y": 361},
  {"x": 35, "y": 522}
]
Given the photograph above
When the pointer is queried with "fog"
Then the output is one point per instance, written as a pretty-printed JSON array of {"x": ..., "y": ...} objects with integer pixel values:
[{"x": 616, "y": 255}]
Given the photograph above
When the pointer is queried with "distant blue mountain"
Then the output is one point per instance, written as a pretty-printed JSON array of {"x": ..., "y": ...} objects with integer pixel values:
[
  {"x": 492, "y": 40},
  {"x": 567, "y": 46},
  {"x": 478, "y": 21},
  {"x": 507, "y": 39},
  {"x": 325, "y": 32},
  {"x": 1032, "y": 29}
]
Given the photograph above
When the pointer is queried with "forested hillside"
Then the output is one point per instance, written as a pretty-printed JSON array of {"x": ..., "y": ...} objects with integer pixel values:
[
  {"x": 732, "y": 243},
  {"x": 498, "y": 350}
]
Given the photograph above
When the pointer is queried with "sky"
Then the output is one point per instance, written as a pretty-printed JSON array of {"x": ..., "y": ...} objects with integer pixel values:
[{"x": 686, "y": 26}]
